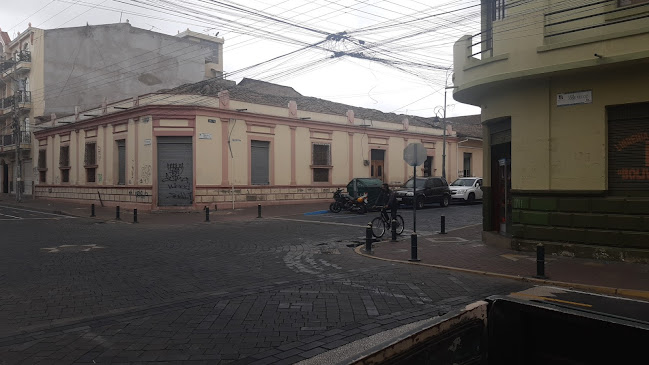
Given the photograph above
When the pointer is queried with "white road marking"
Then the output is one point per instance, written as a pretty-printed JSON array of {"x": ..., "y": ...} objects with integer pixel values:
[
  {"x": 35, "y": 211},
  {"x": 12, "y": 216},
  {"x": 318, "y": 222}
]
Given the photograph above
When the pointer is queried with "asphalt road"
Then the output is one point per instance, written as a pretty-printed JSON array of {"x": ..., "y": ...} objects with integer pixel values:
[{"x": 258, "y": 291}]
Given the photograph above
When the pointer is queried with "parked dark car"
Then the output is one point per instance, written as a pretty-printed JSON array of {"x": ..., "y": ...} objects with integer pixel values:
[{"x": 429, "y": 190}]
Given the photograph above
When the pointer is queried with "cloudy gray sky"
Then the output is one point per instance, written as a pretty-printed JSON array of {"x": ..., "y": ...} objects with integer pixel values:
[{"x": 390, "y": 55}]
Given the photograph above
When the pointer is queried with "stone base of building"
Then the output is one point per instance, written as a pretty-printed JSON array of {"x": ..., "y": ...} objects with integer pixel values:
[
  {"x": 221, "y": 197},
  {"x": 584, "y": 251}
]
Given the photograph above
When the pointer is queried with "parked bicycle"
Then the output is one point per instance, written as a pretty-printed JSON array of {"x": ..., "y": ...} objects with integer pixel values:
[{"x": 383, "y": 223}]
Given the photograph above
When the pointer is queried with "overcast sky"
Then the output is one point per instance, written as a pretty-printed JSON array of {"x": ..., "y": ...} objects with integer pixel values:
[{"x": 393, "y": 56}]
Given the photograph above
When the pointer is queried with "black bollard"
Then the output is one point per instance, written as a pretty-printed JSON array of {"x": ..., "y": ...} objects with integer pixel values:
[
  {"x": 92, "y": 210},
  {"x": 134, "y": 215},
  {"x": 207, "y": 214},
  {"x": 394, "y": 230},
  {"x": 258, "y": 210},
  {"x": 117, "y": 213},
  {"x": 413, "y": 247},
  {"x": 540, "y": 261},
  {"x": 443, "y": 230},
  {"x": 368, "y": 238}
]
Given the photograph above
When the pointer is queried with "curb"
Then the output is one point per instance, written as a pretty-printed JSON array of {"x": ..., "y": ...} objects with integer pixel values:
[{"x": 628, "y": 293}]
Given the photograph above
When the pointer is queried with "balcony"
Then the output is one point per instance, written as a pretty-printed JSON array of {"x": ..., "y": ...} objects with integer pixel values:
[
  {"x": 532, "y": 40},
  {"x": 23, "y": 98},
  {"x": 8, "y": 142},
  {"x": 20, "y": 62}
]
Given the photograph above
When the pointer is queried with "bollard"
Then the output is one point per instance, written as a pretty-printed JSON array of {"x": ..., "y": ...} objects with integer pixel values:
[
  {"x": 540, "y": 261},
  {"x": 117, "y": 213},
  {"x": 207, "y": 214},
  {"x": 394, "y": 230},
  {"x": 134, "y": 215},
  {"x": 258, "y": 210},
  {"x": 413, "y": 247},
  {"x": 443, "y": 230},
  {"x": 368, "y": 238},
  {"x": 92, "y": 210}
]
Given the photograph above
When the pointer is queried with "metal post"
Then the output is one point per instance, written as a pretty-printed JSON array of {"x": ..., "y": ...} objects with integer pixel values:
[
  {"x": 258, "y": 210},
  {"x": 92, "y": 210},
  {"x": 413, "y": 247},
  {"x": 540, "y": 261},
  {"x": 117, "y": 213},
  {"x": 134, "y": 215},
  {"x": 443, "y": 230},
  {"x": 368, "y": 238},
  {"x": 394, "y": 230},
  {"x": 414, "y": 199},
  {"x": 207, "y": 214},
  {"x": 444, "y": 138}
]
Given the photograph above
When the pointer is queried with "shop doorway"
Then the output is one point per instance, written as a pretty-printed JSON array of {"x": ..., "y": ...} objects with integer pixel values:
[{"x": 501, "y": 180}]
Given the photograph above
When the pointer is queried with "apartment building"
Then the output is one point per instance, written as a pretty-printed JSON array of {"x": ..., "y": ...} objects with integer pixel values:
[
  {"x": 45, "y": 72},
  {"x": 565, "y": 104}
]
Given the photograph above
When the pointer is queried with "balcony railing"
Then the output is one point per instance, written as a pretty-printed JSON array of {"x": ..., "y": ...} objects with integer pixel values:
[
  {"x": 592, "y": 16},
  {"x": 9, "y": 140},
  {"x": 481, "y": 45},
  {"x": 21, "y": 97},
  {"x": 22, "y": 56}
]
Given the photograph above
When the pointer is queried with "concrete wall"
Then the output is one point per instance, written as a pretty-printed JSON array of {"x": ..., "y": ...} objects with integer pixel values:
[{"x": 83, "y": 65}]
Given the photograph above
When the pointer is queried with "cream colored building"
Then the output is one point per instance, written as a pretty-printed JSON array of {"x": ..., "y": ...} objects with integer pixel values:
[
  {"x": 565, "y": 104},
  {"x": 55, "y": 71},
  {"x": 233, "y": 145}
]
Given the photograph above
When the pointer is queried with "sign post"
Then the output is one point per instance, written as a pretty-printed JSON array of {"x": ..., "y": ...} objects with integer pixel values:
[{"x": 414, "y": 155}]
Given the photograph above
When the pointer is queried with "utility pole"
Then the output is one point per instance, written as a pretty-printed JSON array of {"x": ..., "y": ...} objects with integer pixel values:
[
  {"x": 444, "y": 139},
  {"x": 15, "y": 109}
]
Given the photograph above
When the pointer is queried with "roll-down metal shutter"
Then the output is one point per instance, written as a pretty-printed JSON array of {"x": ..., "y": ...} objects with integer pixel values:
[
  {"x": 628, "y": 147},
  {"x": 121, "y": 162},
  {"x": 175, "y": 171},
  {"x": 260, "y": 162}
]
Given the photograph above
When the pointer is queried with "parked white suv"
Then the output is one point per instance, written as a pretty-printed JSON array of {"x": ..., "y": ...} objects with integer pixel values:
[{"x": 467, "y": 189}]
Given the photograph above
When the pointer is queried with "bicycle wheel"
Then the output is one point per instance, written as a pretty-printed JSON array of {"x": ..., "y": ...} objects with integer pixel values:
[
  {"x": 400, "y": 224},
  {"x": 378, "y": 227}
]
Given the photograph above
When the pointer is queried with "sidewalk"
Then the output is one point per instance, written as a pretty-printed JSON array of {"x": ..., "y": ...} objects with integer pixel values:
[
  {"x": 159, "y": 217},
  {"x": 463, "y": 250}
]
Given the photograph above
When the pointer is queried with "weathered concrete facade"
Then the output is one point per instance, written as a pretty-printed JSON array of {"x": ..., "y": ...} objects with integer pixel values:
[
  {"x": 58, "y": 71},
  {"x": 184, "y": 151}
]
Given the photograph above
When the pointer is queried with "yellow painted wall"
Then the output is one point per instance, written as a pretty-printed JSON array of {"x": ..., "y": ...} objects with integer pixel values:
[
  {"x": 241, "y": 152},
  {"x": 394, "y": 158},
  {"x": 282, "y": 149},
  {"x": 563, "y": 148},
  {"x": 303, "y": 156},
  {"x": 340, "y": 158},
  {"x": 208, "y": 151}
]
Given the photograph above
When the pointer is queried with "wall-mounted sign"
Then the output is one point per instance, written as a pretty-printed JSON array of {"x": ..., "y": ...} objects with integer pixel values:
[
  {"x": 205, "y": 136},
  {"x": 211, "y": 120},
  {"x": 579, "y": 97},
  {"x": 147, "y": 142}
]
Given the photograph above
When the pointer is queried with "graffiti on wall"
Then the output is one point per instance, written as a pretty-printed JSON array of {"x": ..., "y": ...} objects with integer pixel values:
[{"x": 177, "y": 182}]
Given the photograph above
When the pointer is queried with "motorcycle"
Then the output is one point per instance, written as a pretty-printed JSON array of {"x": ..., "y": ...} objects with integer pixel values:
[
  {"x": 342, "y": 201},
  {"x": 359, "y": 205}
]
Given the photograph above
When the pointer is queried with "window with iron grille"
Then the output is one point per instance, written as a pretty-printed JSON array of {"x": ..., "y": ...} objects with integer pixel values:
[
  {"x": 64, "y": 163},
  {"x": 42, "y": 165},
  {"x": 90, "y": 161},
  {"x": 321, "y": 157}
]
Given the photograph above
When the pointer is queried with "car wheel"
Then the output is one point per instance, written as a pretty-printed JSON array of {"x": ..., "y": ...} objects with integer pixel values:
[
  {"x": 419, "y": 202},
  {"x": 471, "y": 198},
  {"x": 445, "y": 201}
]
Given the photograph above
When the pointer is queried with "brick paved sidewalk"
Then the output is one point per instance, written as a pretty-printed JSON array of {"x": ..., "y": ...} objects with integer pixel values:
[
  {"x": 161, "y": 217},
  {"x": 463, "y": 248}
]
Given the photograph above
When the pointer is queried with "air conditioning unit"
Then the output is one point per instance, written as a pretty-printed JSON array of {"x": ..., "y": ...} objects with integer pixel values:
[{"x": 366, "y": 162}]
